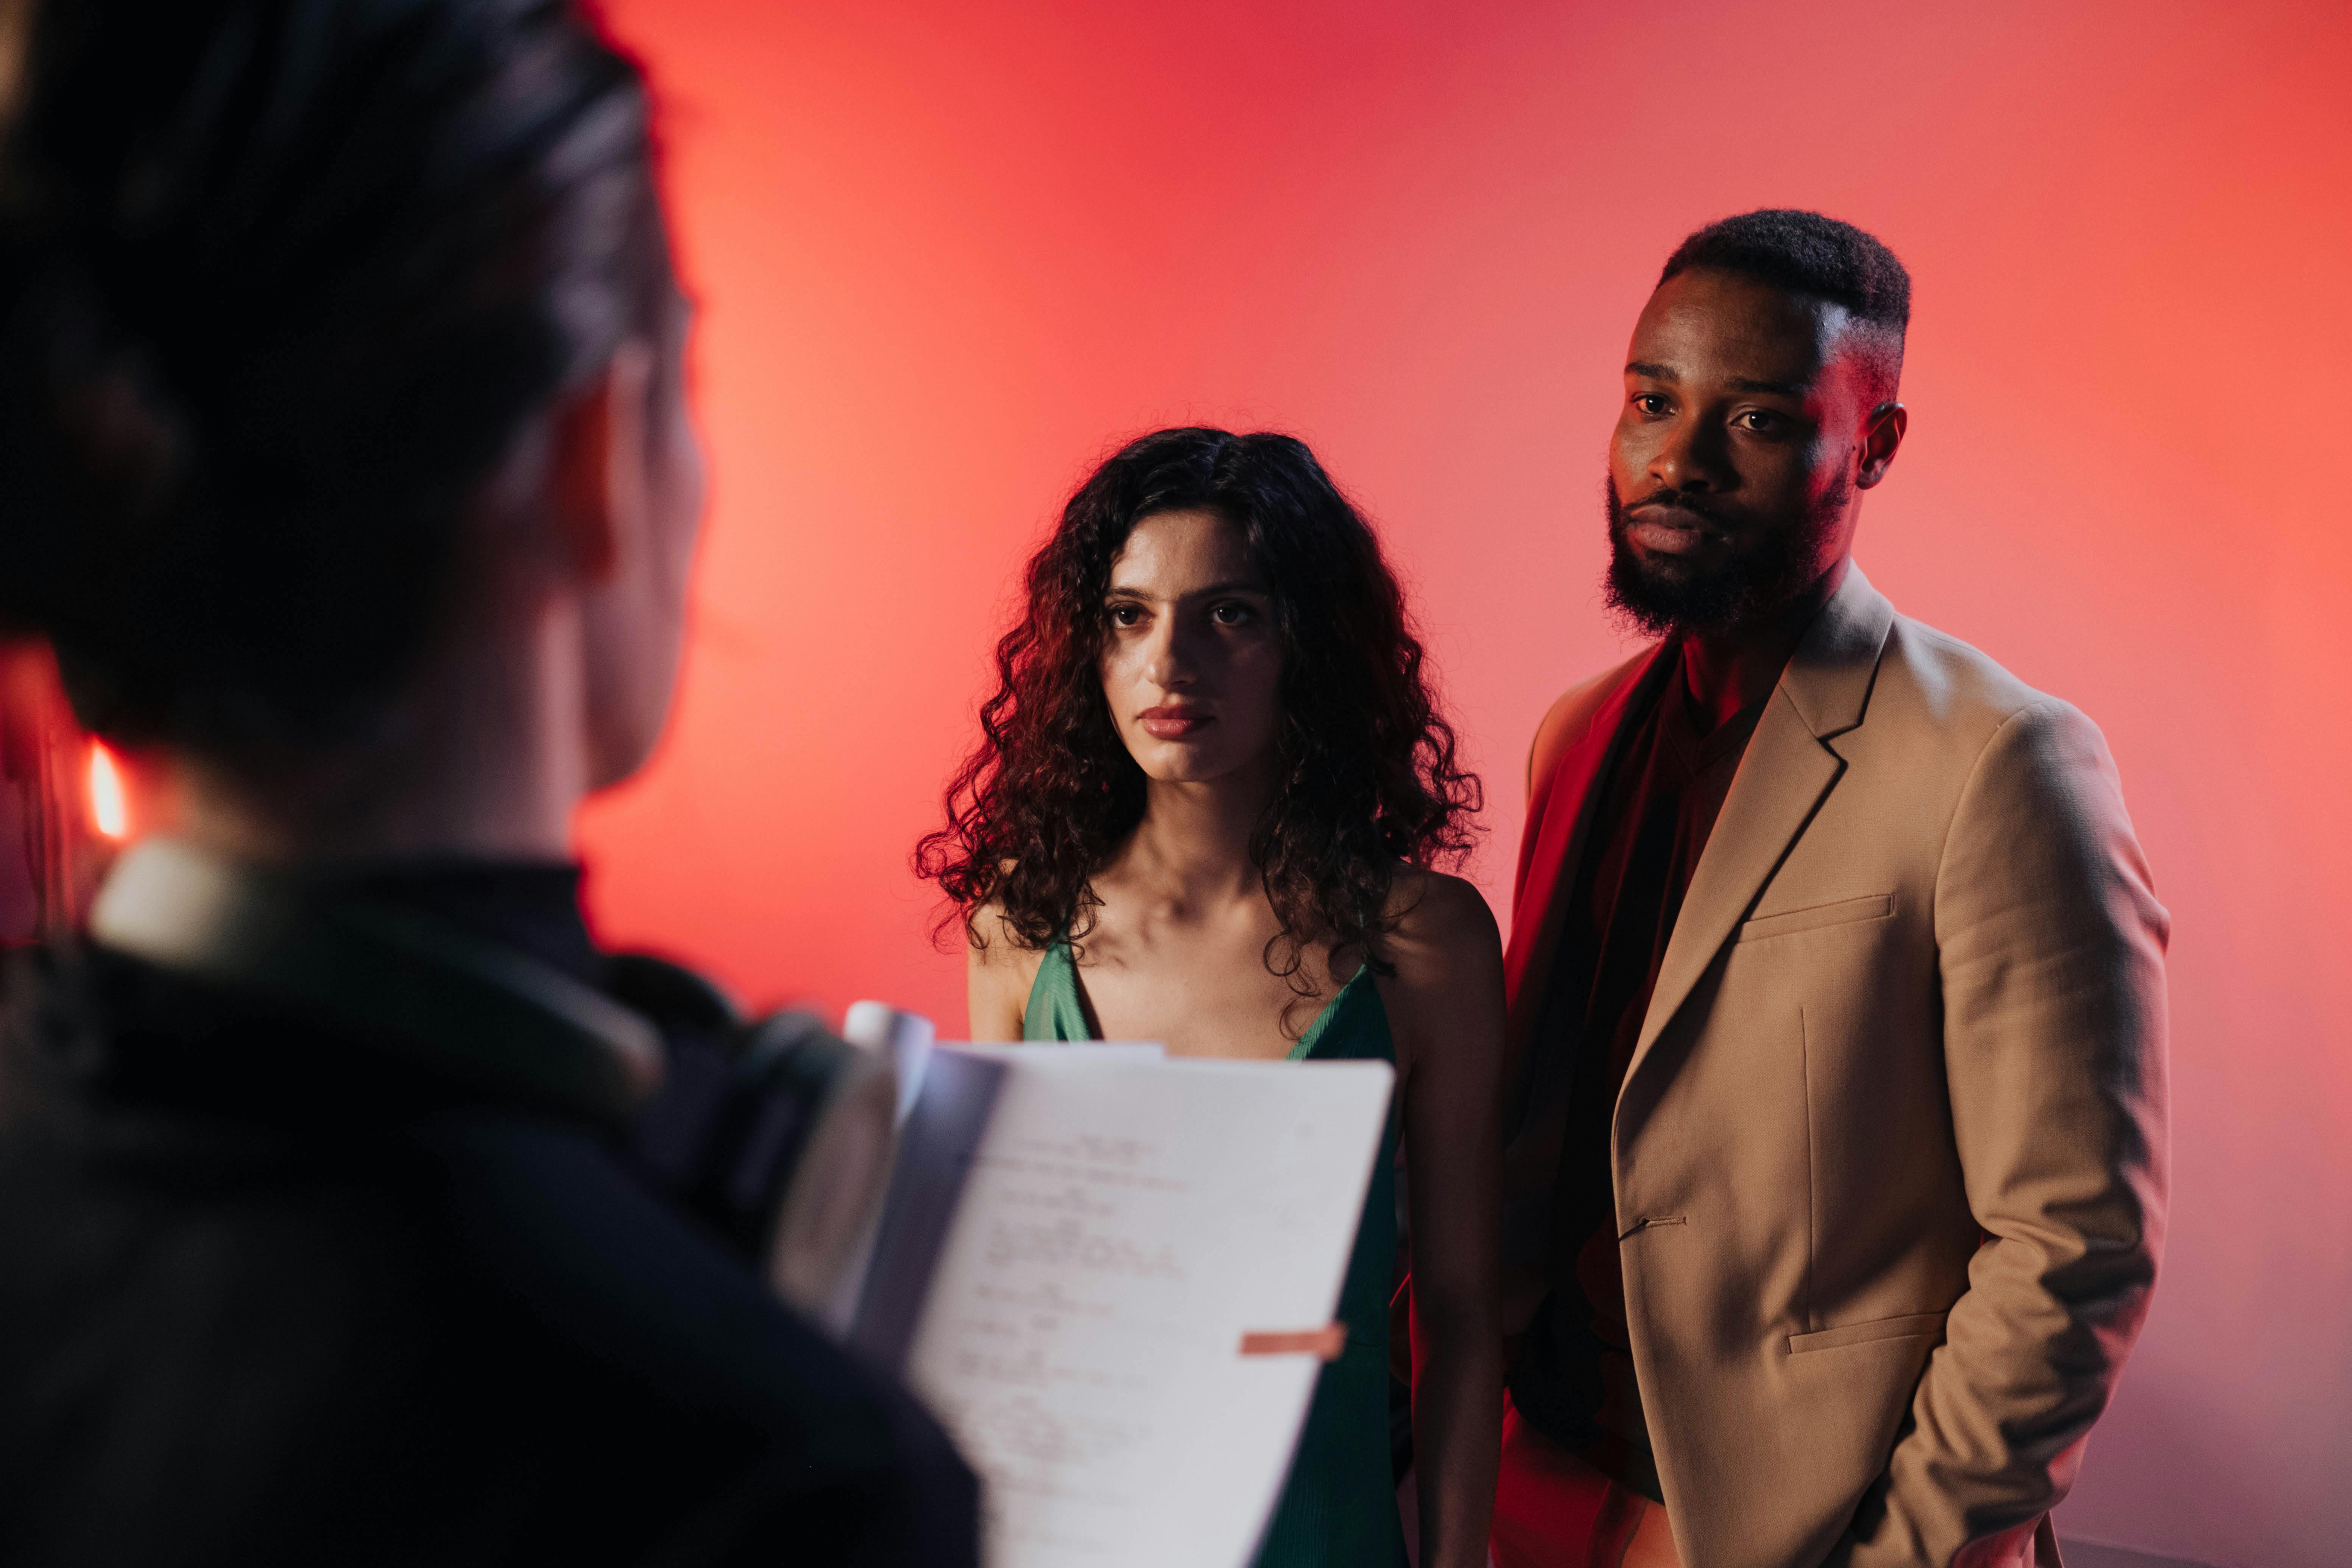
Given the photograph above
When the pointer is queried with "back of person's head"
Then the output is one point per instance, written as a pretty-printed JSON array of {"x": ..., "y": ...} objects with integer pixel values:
[
  {"x": 281, "y": 283},
  {"x": 1821, "y": 257}
]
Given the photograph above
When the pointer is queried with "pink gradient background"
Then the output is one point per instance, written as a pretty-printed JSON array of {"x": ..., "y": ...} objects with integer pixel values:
[{"x": 948, "y": 252}]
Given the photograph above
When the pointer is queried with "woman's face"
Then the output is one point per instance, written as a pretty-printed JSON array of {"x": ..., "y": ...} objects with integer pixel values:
[{"x": 1190, "y": 664}]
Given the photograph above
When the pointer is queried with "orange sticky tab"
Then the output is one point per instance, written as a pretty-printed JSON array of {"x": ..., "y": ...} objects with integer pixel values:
[{"x": 1324, "y": 1343}]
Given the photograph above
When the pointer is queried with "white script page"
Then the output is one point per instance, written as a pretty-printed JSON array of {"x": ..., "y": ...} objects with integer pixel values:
[{"x": 1125, "y": 1223}]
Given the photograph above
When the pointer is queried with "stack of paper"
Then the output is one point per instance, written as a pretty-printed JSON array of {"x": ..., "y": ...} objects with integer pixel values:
[{"x": 1076, "y": 1242}]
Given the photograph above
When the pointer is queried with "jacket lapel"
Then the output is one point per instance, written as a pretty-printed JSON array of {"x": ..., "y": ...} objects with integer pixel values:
[
  {"x": 1559, "y": 814},
  {"x": 1787, "y": 770},
  {"x": 1560, "y": 821}
]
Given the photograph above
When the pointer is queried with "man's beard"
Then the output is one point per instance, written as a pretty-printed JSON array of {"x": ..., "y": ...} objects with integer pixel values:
[{"x": 1747, "y": 590}]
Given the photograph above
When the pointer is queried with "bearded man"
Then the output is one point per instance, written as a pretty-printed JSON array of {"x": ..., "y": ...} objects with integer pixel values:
[{"x": 1838, "y": 1141}]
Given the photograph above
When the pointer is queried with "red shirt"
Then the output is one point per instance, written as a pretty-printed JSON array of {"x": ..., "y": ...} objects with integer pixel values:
[{"x": 1666, "y": 784}]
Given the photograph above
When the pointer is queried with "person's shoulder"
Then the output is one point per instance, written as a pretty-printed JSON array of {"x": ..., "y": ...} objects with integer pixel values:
[
  {"x": 995, "y": 946},
  {"x": 1443, "y": 926},
  {"x": 1436, "y": 905},
  {"x": 719, "y": 1388},
  {"x": 684, "y": 1334},
  {"x": 1001, "y": 971},
  {"x": 1574, "y": 709},
  {"x": 456, "y": 1292},
  {"x": 669, "y": 1346},
  {"x": 552, "y": 1218},
  {"x": 1942, "y": 698},
  {"x": 1571, "y": 713},
  {"x": 1952, "y": 684},
  {"x": 1445, "y": 957}
]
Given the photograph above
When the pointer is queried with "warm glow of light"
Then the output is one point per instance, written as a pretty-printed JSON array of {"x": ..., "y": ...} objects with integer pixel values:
[{"x": 107, "y": 810}]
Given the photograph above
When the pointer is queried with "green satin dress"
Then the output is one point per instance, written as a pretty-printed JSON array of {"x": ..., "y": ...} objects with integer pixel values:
[{"x": 1337, "y": 1509}]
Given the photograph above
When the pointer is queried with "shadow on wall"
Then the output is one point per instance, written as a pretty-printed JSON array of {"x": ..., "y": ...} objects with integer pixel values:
[
  {"x": 2233, "y": 1521},
  {"x": 2227, "y": 1443}
]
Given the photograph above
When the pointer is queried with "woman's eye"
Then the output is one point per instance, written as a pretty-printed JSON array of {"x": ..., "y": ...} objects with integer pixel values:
[
  {"x": 1126, "y": 614},
  {"x": 1230, "y": 615}
]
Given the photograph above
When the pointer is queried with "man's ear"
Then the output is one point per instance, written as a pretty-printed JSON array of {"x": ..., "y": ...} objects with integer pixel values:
[
  {"x": 597, "y": 456},
  {"x": 1881, "y": 434}
]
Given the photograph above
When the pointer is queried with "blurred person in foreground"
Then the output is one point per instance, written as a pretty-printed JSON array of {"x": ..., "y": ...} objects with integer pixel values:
[
  {"x": 1214, "y": 786},
  {"x": 346, "y": 463},
  {"x": 1836, "y": 1179}
]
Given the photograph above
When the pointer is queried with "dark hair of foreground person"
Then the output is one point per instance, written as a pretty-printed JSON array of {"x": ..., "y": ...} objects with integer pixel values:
[
  {"x": 284, "y": 282},
  {"x": 1367, "y": 762},
  {"x": 345, "y": 463}
]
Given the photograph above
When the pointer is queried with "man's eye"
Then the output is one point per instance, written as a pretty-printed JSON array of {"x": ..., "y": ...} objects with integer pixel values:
[
  {"x": 1760, "y": 420},
  {"x": 1651, "y": 404}
]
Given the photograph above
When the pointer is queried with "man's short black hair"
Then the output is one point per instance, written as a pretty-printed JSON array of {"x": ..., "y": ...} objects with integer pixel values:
[{"x": 1808, "y": 254}]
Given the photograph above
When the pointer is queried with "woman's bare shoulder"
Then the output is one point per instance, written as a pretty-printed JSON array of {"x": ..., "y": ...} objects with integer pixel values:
[
  {"x": 999, "y": 974},
  {"x": 994, "y": 944},
  {"x": 1444, "y": 999},
  {"x": 1441, "y": 917}
]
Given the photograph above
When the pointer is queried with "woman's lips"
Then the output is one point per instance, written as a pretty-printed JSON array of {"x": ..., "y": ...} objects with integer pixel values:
[{"x": 1173, "y": 723}]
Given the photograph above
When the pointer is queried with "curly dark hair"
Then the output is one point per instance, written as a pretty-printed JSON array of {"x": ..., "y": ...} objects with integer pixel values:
[{"x": 1369, "y": 780}]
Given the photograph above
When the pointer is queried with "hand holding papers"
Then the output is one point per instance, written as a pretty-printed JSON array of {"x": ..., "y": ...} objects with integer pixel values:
[{"x": 1123, "y": 1224}]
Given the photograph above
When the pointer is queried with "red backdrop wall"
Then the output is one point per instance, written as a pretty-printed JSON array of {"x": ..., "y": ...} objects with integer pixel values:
[{"x": 948, "y": 251}]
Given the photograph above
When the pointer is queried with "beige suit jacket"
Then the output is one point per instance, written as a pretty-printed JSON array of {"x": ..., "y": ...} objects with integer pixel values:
[{"x": 1891, "y": 1156}]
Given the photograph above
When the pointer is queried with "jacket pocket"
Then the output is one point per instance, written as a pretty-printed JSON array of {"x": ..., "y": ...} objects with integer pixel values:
[
  {"x": 1912, "y": 1325},
  {"x": 1844, "y": 911}
]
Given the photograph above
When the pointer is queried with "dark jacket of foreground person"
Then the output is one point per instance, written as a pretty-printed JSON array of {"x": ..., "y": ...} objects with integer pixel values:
[{"x": 271, "y": 1295}]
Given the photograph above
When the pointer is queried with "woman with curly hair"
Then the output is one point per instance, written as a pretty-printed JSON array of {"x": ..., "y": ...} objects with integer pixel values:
[{"x": 1208, "y": 808}]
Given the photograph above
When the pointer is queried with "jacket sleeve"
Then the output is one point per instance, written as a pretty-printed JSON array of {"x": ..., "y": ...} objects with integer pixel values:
[{"x": 2051, "y": 949}]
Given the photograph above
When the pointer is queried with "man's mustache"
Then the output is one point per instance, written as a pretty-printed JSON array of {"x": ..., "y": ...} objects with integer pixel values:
[{"x": 1678, "y": 500}]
